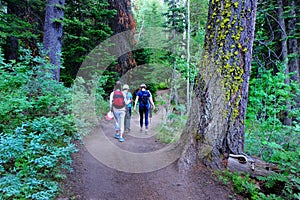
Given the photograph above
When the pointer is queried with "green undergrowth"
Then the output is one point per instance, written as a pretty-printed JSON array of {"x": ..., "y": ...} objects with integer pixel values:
[
  {"x": 170, "y": 129},
  {"x": 280, "y": 147},
  {"x": 269, "y": 139},
  {"x": 36, "y": 131},
  {"x": 240, "y": 183},
  {"x": 274, "y": 187},
  {"x": 270, "y": 101},
  {"x": 89, "y": 103}
]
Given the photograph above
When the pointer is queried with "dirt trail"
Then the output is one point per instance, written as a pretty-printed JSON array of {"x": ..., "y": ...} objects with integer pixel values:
[{"x": 92, "y": 179}]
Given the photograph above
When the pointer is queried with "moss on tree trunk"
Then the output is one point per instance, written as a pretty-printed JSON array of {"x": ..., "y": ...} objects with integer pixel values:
[{"x": 216, "y": 123}]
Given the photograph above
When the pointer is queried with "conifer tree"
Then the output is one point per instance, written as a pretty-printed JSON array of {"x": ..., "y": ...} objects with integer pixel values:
[
  {"x": 277, "y": 44},
  {"x": 124, "y": 22},
  {"x": 85, "y": 27},
  {"x": 21, "y": 25},
  {"x": 215, "y": 127},
  {"x": 53, "y": 30}
]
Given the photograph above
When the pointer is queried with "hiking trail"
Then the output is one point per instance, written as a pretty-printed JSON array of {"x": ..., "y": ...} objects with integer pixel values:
[{"x": 103, "y": 173}]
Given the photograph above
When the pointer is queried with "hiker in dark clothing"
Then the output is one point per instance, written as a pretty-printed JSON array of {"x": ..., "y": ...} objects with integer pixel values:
[{"x": 145, "y": 100}]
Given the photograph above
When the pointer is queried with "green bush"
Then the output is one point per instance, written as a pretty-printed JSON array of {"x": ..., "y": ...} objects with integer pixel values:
[
  {"x": 102, "y": 104},
  {"x": 241, "y": 183},
  {"x": 169, "y": 130},
  {"x": 36, "y": 129},
  {"x": 268, "y": 138},
  {"x": 162, "y": 86}
]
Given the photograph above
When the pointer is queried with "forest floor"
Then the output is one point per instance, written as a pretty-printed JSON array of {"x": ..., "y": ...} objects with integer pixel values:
[{"x": 102, "y": 173}]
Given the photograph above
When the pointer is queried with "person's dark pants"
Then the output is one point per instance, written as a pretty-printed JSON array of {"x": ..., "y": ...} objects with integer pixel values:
[
  {"x": 144, "y": 110},
  {"x": 128, "y": 118}
]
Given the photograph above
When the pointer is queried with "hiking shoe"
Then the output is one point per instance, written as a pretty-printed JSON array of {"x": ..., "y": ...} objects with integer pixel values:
[
  {"x": 127, "y": 130},
  {"x": 117, "y": 136},
  {"x": 121, "y": 139},
  {"x": 141, "y": 129},
  {"x": 146, "y": 130}
]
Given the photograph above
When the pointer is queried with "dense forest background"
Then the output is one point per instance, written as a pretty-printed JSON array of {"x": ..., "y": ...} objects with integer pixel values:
[{"x": 38, "y": 122}]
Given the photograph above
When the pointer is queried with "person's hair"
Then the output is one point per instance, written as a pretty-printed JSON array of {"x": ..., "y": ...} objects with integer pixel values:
[
  {"x": 118, "y": 85},
  {"x": 143, "y": 86},
  {"x": 125, "y": 87}
]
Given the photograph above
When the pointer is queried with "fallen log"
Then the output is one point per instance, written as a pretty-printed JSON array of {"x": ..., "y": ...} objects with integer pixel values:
[{"x": 254, "y": 166}]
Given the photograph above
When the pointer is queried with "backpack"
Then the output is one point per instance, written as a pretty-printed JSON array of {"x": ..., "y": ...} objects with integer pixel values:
[
  {"x": 145, "y": 98},
  {"x": 118, "y": 100}
]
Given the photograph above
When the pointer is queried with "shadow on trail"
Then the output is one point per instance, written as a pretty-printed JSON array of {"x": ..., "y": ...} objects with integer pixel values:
[
  {"x": 141, "y": 168},
  {"x": 124, "y": 156}
]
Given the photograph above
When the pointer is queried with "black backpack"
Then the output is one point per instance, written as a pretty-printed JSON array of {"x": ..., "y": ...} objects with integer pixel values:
[{"x": 145, "y": 98}]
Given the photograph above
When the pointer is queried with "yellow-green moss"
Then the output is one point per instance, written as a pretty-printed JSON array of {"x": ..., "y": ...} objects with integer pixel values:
[
  {"x": 198, "y": 138},
  {"x": 236, "y": 4},
  {"x": 227, "y": 5},
  {"x": 230, "y": 69}
]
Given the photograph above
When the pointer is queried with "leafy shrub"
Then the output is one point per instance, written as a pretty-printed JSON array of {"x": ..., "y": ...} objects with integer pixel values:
[
  {"x": 162, "y": 86},
  {"x": 102, "y": 104},
  {"x": 169, "y": 131},
  {"x": 241, "y": 183},
  {"x": 36, "y": 129},
  {"x": 89, "y": 103},
  {"x": 267, "y": 136}
]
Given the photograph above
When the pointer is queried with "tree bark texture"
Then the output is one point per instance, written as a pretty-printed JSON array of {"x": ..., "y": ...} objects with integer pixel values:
[
  {"x": 215, "y": 126},
  {"x": 123, "y": 21},
  {"x": 293, "y": 43},
  {"x": 53, "y": 30},
  {"x": 293, "y": 49},
  {"x": 284, "y": 57}
]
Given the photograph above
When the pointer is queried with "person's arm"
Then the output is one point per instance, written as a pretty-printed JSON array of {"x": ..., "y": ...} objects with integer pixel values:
[
  {"x": 136, "y": 100},
  {"x": 151, "y": 102},
  {"x": 125, "y": 98},
  {"x": 111, "y": 100}
]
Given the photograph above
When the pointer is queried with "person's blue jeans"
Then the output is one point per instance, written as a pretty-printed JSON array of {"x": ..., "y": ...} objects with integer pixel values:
[
  {"x": 143, "y": 110},
  {"x": 128, "y": 118}
]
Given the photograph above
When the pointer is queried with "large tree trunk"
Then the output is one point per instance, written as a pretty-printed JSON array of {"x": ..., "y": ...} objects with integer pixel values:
[
  {"x": 123, "y": 23},
  {"x": 292, "y": 42},
  {"x": 53, "y": 30},
  {"x": 284, "y": 57},
  {"x": 293, "y": 48},
  {"x": 215, "y": 126}
]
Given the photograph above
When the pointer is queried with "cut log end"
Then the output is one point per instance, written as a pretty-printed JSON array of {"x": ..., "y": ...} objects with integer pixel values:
[{"x": 254, "y": 166}]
